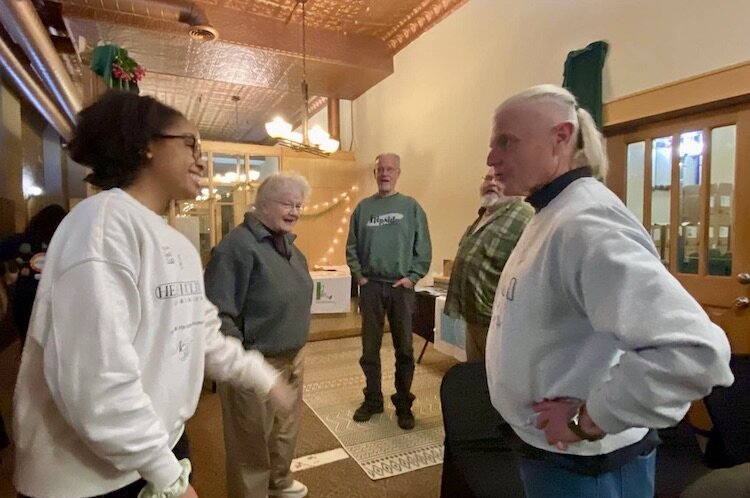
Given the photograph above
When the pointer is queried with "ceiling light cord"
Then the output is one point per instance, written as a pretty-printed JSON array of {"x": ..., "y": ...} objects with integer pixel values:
[{"x": 305, "y": 94}]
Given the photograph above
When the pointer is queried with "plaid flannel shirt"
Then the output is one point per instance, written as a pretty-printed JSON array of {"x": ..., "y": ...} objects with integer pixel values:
[{"x": 480, "y": 260}]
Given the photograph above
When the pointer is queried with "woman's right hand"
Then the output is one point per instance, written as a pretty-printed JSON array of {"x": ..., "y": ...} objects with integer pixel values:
[{"x": 282, "y": 396}]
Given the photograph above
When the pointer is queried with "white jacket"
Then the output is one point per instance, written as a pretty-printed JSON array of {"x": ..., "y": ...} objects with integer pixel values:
[
  {"x": 586, "y": 309},
  {"x": 113, "y": 365}
]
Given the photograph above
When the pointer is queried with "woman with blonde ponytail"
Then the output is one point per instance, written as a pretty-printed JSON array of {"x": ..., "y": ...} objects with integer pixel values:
[{"x": 582, "y": 361}]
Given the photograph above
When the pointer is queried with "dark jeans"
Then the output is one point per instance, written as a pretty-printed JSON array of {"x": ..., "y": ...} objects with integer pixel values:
[
  {"x": 376, "y": 300},
  {"x": 181, "y": 450}
]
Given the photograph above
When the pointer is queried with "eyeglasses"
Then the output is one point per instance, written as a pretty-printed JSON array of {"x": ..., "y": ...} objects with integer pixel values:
[
  {"x": 290, "y": 206},
  {"x": 190, "y": 140},
  {"x": 386, "y": 170}
]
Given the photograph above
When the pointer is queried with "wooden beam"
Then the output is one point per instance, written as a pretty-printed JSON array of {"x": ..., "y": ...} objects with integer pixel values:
[{"x": 727, "y": 86}]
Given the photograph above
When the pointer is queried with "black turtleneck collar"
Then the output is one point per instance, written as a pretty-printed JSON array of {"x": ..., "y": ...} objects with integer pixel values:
[{"x": 544, "y": 195}]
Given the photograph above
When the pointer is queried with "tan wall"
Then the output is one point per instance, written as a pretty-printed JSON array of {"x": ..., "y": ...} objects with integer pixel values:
[
  {"x": 435, "y": 110},
  {"x": 11, "y": 161},
  {"x": 329, "y": 177},
  {"x": 30, "y": 152}
]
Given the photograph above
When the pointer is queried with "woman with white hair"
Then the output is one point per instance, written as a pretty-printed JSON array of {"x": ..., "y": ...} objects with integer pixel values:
[
  {"x": 593, "y": 344},
  {"x": 260, "y": 282}
]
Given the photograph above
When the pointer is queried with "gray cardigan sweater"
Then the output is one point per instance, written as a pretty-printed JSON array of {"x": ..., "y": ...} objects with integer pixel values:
[{"x": 263, "y": 298}]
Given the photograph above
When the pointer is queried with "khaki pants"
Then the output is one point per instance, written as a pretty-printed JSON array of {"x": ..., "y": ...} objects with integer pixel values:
[
  {"x": 259, "y": 442},
  {"x": 476, "y": 341}
]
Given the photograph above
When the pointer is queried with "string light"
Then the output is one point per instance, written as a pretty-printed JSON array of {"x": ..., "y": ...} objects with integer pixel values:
[
  {"x": 324, "y": 207},
  {"x": 320, "y": 208}
]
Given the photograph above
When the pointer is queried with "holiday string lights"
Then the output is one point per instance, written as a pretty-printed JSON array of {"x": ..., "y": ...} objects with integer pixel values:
[
  {"x": 311, "y": 211},
  {"x": 323, "y": 207}
]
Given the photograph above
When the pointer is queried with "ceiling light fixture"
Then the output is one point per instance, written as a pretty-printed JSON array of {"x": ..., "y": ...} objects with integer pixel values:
[{"x": 316, "y": 140}]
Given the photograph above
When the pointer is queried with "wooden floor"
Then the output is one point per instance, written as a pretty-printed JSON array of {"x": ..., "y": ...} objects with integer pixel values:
[{"x": 342, "y": 478}]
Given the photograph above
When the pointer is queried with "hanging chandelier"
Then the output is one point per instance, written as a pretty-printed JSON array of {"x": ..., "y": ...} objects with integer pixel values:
[{"x": 314, "y": 140}]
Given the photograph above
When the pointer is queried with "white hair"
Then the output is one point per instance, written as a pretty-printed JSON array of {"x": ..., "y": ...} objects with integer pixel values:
[
  {"x": 589, "y": 149},
  {"x": 396, "y": 158},
  {"x": 272, "y": 187}
]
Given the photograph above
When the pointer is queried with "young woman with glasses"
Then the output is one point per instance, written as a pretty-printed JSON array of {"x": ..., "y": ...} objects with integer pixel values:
[{"x": 122, "y": 332}]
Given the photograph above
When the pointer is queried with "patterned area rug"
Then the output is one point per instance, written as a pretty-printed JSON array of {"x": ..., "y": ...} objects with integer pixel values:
[{"x": 333, "y": 390}]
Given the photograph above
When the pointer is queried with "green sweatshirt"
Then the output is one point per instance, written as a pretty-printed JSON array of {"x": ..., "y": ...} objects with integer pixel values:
[{"x": 388, "y": 239}]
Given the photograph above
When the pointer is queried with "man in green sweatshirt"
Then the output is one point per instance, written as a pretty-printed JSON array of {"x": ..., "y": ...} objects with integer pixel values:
[{"x": 388, "y": 250}]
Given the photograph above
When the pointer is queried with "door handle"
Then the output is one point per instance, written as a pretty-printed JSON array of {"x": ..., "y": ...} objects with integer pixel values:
[
  {"x": 743, "y": 278},
  {"x": 742, "y": 302}
]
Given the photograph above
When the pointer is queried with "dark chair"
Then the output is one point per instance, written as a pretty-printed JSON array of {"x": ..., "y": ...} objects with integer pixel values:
[
  {"x": 729, "y": 408},
  {"x": 480, "y": 460},
  {"x": 679, "y": 460}
]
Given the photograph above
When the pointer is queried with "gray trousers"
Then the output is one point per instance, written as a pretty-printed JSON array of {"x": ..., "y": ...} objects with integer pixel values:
[
  {"x": 260, "y": 442},
  {"x": 376, "y": 301}
]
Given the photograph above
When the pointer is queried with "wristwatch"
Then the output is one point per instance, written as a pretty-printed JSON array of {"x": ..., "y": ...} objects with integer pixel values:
[{"x": 576, "y": 429}]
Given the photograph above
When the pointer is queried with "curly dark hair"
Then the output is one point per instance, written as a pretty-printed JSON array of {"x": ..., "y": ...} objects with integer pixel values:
[
  {"x": 43, "y": 225},
  {"x": 113, "y": 133}
]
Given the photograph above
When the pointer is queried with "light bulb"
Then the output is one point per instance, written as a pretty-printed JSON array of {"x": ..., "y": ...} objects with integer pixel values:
[
  {"x": 317, "y": 135},
  {"x": 278, "y": 128},
  {"x": 331, "y": 145}
]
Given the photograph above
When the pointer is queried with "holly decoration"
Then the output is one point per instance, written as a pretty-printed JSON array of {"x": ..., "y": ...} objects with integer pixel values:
[
  {"x": 126, "y": 69},
  {"x": 117, "y": 68}
]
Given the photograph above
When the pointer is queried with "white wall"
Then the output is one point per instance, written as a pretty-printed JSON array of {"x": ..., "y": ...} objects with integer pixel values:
[{"x": 435, "y": 110}]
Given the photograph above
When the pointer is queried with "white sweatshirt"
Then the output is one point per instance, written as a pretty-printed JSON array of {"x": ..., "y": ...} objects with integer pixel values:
[
  {"x": 113, "y": 365},
  {"x": 586, "y": 309}
]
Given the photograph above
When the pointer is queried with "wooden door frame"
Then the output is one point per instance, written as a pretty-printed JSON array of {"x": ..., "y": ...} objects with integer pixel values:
[
  {"x": 617, "y": 180},
  {"x": 721, "y": 88},
  {"x": 705, "y": 99}
]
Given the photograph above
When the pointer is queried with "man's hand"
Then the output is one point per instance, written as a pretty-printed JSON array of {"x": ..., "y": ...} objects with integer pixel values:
[
  {"x": 282, "y": 396},
  {"x": 404, "y": 282},
  {"x": 362, "y": 281},
  {"x": 553, "y": 418},
  {"x": 189, "y": 493}
]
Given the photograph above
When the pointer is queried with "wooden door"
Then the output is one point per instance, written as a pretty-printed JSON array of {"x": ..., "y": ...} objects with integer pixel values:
[{"x": 688, "y": 180}]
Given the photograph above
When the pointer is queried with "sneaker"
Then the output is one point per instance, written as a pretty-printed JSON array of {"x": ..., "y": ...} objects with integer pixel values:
[
  {"x": 294, "y": 490},
  {"x": 405, "y": 418},
  {"x": 366, "y": 410}
]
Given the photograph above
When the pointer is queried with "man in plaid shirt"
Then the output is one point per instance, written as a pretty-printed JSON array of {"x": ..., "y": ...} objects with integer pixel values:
[{"x": 482, "y": 252}]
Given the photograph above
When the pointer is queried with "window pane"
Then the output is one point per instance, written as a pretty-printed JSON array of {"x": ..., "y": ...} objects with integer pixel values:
[
  {"x": 635, "y": 179},
  {"x": 192, "y": 220},
  {"x": 691, "y": 167},
  {"x": 264, "y": 165},
  {"x": 661, "y": 182},
  {"x": 723, "y": 148}
]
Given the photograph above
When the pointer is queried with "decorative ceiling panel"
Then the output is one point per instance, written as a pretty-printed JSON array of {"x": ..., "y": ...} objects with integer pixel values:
[
  {"x": 258, "y": 56},
  {"x": 396, "y": 22}
]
